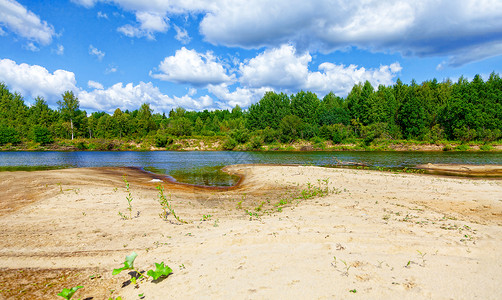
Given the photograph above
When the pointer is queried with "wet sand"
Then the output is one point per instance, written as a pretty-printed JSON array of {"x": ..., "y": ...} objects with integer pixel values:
[{"x": 375, "y": 235}]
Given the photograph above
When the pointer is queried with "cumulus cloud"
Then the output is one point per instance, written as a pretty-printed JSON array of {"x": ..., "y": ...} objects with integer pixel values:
[
  {"x": 464, "y": 31},
  {"x": 284, "y": 69},
  {"x": 240, "y": 96},
  {"x": 130, "y": 96},
  {"x": 191, "y": 67},
  {"x": 34, "y": 80},
  {"x": 16, "y": 18},
  {"x": 280, "y": 67},
  {"x": 95, "y": 85},
  {"x": 94, "y": 51}
]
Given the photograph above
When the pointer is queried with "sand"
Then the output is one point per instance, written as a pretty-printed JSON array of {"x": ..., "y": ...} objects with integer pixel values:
[{"x": 375, "y": 235}]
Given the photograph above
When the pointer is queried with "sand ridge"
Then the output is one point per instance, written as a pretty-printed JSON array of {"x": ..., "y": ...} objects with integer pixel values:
[{"x": 375, "y": 235}]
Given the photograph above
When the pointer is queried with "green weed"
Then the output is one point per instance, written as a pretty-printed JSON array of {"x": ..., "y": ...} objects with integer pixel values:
[
  {"x": 68, "y": 293},
  {"x": 161, "y": 270},
  {"x": 129, "y": 200},
  {"x": 206, "y": 217},
  {"x": 166, "y": 206}
]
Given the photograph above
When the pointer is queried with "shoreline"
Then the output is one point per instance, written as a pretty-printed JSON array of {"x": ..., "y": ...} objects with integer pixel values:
[{"x": 215, "y": 144}]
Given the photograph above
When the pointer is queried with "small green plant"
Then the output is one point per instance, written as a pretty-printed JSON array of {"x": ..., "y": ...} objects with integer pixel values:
[
  {"x": 353, "y": 291},
  {"x": 422, "y": 256},
  {"x": 206, "y": 217},
  {"x": 161, "y": 270},
  {"x": 166, "y": 206},
  {"x": 68, "y": 293},
  {"x": 408, "y": 265},
  {"x": 347, "y": 268},
  {"x": 129, "y": 200}
]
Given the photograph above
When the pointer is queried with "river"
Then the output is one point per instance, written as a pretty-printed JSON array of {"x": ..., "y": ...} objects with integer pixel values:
[{"x": 200, "y": 167}]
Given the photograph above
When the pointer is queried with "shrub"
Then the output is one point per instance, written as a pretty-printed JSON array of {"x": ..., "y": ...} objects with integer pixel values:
[
  {"x": 229, "y": 144},
  {"x": 241, "y": 136},
  {"x": 41, "y": 135},
  {"x": 162, "y": 139},
  {"x": 256, "y": 142},
  {"x": 8, "y": 135}
]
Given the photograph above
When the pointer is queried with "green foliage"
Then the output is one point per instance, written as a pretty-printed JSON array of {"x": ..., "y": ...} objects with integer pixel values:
[
  {"x": 229, "y": 144},
  {"x": 128, "y": 263},
  {"x": 128, "y": 198},
  {"x": 42, "y": 135},
  {"x": 8, "y": 135},
  {"x": 162, "y": 139},
  {"x": 431, "y": 111},
  {"x": 161, "y": 270},
  {"x": 68, "y": 293},
  {"x": 290, "y": 127},
  {"x": 166, "y": 206}
]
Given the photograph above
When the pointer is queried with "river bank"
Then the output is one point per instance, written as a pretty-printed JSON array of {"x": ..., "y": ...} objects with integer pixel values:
[
  {"x": 217, "y": 143},
  {"x": 353, "y": 233}
]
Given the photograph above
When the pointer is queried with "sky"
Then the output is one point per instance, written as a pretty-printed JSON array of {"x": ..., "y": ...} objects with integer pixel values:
[{"x": 216, "y": 54}]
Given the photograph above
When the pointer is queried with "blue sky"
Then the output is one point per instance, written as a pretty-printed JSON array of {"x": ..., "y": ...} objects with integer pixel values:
[{"x": 201, "y": 54}]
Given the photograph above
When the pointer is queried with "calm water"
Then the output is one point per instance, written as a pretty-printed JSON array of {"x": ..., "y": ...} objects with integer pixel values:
[{"x": 203, "y": 167}]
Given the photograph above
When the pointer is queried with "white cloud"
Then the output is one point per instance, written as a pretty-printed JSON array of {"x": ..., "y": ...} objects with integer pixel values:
[
  {"x": 34, "y": 80},
  {"x": 240, "y": 96},
  {"x": 111, "y": 69},
  {"x": 85, "y": 3},
  {"x": 95, "y": 85},
  {"x": 102, "y": 15},
  {"x": 94, "y": 51},
  {"x": 280, "y": 67},
  {"x": 24, "y": 23},
  {"x": 149, "y": 24},
  {"x": 188, "y": 66},
  {"x": 130, "y": 96},
  {"x": 182, "y": 35},
  {"x": 340, "y": 79},
  {"x": 59, "y": 50},
  {"x": 30, "y": 46},
  {"x": 412, "y": 28},
  {"x": 284, "y": 69}
]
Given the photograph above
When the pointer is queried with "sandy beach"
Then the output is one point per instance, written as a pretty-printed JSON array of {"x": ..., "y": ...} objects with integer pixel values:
[{"x": 373, "y": 235}]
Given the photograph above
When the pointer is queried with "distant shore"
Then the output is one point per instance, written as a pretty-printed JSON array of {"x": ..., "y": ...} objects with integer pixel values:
[{"x": 217, "y": 143}]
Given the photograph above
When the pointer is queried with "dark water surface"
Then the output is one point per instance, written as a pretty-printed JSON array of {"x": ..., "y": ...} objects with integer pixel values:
[{"x": 198, "y": 167}]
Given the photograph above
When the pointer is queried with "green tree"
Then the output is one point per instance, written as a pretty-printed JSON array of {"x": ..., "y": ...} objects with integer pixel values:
[
  {"x": 69, "y": 108},
  {"x": 269, "y": 111},
  {"x": 290, "y": 127}
]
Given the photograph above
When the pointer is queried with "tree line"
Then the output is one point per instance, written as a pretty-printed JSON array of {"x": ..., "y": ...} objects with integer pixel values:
[{"x": 431, "y": 111}]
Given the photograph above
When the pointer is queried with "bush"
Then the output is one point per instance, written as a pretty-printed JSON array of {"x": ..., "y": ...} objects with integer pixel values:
[
  {"x": 229, "y": 144},
  {"x": 256, "y": 142},
  {"x": 290, "y": 127},
  {"x": 241, "y": 136},
  {"x": 337, "y": 133},
  {"x": 162, "y": 139},
  {"x": 8, "y": 135},
  {"x": 41, "y": 135},
  {"x": 464, "y": 134}
]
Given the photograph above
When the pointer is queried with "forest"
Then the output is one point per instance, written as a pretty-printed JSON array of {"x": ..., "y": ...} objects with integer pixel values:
[{"x": 432, "y": 111}]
